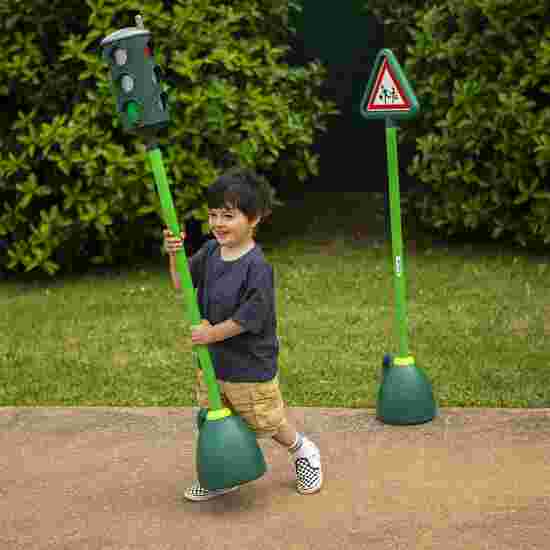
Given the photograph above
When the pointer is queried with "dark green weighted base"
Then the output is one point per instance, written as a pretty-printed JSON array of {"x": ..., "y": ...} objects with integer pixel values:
[
  {"x": 228, "y": 453},
  {"x": 201, "y": 417},
  {"x": 405, "y": 395}
]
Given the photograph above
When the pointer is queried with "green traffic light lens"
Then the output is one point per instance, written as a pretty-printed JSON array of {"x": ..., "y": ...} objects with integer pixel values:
[{"x": 132, "y": 111}]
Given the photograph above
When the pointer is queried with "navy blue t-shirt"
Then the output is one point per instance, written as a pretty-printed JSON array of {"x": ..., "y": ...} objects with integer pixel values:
[{"x": 242, "y": 290}]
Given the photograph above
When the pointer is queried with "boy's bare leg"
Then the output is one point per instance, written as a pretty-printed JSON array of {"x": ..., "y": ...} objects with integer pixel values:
[{"x": 286, "y": 435}]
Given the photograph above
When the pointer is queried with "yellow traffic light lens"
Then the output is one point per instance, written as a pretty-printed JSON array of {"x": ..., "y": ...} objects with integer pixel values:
[
  {"x": 127, "y": 83},
  {"x": 121, "y": 56}
]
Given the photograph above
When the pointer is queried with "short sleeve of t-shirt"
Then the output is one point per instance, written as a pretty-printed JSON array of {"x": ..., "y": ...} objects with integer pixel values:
[{"x": 256, "y": 303}]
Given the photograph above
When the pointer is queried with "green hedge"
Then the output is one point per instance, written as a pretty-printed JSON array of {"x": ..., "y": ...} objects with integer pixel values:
[
  {"x": 481, "y": 72},
  {"x": 74, "y": 187}
]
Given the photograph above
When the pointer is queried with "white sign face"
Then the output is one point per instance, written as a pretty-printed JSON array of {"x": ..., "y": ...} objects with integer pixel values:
[{"x": 387, "y": 93}]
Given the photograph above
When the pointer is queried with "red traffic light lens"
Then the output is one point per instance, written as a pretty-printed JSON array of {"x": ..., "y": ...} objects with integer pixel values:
[{"x": 147, "y": 51}]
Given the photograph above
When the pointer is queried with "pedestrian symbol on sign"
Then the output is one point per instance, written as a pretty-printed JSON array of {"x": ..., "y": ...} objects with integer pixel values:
[{"x": 388, "y": 96}]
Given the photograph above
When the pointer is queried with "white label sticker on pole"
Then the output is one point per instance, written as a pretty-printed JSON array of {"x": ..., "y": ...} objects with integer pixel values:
[{"x": 398, "y": 266}]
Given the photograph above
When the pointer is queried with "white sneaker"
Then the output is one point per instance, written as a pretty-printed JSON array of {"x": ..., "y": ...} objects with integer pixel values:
[
  {"x": 309, "y": 474},
  {"x": 196, "y": 492}
]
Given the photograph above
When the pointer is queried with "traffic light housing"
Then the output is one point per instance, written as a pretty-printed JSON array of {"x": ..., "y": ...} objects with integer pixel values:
[{"x": 136, "y": 80}]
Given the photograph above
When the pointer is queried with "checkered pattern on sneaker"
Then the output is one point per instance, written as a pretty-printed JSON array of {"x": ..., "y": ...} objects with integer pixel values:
[
  {"x": 196, "y": 492},
  {"x": 309, "y": 474}
]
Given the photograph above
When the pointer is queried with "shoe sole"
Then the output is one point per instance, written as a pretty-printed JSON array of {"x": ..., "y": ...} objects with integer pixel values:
[
  {"x": 195, "y": 498},
  {"x": 314, "y": 490}
]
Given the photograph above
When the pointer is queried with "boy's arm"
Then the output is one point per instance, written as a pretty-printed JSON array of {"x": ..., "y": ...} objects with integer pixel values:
[
  {"x": 174, "y": 273},
  {"x": 191, "y": 262},
  {"x": 226, "y": 329}
]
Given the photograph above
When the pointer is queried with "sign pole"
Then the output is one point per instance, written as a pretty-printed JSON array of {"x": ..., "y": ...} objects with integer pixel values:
[
  {"x": 397, "y": 241},
  {"x": 405, "y": 395}
]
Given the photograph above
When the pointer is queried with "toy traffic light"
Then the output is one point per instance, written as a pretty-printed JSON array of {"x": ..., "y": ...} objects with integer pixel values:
[
  {"x": 136, "y": 79},
  {"x": 228, "y": 453}
]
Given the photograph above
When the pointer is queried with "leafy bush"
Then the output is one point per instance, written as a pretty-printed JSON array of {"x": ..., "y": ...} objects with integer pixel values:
[
  {"x": 74, "y": 186},
  {"x": 480, "y": 71}
]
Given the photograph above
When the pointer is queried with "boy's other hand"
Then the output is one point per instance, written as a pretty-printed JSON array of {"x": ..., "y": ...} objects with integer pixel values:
[
  {"x": 171, "y": 243},
  {"x": 202, "y": 334}
]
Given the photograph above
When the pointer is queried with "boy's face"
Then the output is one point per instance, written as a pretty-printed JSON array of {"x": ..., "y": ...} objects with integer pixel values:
[{"x": 230, "y": 226}]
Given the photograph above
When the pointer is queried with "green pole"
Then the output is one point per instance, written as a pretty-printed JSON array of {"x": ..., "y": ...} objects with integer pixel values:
[
  {"x": 397, "y": 240},
  {"x": 155, "y": 158},
  {"x": 228, "y": 453}
]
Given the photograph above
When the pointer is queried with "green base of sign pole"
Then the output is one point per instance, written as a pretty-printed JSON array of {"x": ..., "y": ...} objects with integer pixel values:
[
  {"x": 405, "y": 396},
  {"x": 228, "y": 453}
]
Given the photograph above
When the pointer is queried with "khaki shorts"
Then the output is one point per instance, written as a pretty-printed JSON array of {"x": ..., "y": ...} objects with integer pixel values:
[{"x": 260, "y": 404}]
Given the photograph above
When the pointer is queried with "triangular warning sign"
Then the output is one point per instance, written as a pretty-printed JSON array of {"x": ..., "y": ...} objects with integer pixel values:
[{"x": 388, "y": 93}]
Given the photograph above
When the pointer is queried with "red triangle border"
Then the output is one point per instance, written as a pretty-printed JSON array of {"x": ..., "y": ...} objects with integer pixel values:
[{"x": 370, "y": 107}]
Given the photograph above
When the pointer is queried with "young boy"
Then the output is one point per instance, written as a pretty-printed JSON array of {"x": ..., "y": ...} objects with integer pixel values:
[{"x": 240, "y": 326}]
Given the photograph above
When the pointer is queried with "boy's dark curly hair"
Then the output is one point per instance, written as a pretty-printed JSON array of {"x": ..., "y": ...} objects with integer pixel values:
[{"x": 244, "y": 190}]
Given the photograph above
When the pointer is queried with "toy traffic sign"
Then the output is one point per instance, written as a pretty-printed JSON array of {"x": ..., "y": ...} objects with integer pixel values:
[
  {"x": 405, "y": 395},
  {"x": 388, "y": 93}
]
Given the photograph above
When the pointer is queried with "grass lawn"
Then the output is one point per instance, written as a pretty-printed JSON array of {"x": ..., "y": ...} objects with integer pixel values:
[{"x": 478, "y": 317}]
